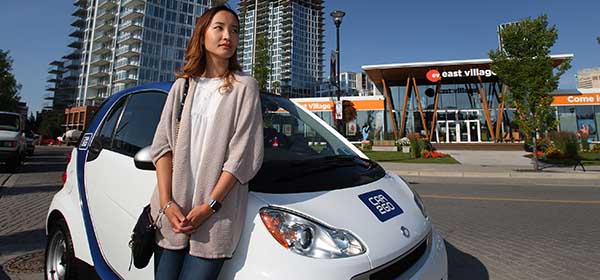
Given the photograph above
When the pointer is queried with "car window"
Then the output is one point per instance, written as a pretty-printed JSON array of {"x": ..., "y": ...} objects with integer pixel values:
[
  {"x": 108, "y": 126},
  {"x": 138, "y": 123},
  {"x": 9, "y": 122}
]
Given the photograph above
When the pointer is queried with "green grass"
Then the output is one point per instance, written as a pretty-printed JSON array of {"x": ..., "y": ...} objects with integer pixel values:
[{"x": 405, "y": 157}]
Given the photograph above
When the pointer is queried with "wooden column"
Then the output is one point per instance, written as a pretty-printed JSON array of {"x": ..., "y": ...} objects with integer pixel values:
[
  {"x": 500, "y": 115},
  {"x": 435, "y": 107},
  {"x": 405, "y": 106},
  {"x": 390, "y": 107},
  {"x": 486, "y": 111},
  {"x": 420, "y": 107}
]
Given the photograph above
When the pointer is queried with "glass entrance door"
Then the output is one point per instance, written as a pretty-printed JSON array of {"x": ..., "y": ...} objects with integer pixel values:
[
  {"x": 469, "y": 131},
  {"x": 446, "y": 132}
]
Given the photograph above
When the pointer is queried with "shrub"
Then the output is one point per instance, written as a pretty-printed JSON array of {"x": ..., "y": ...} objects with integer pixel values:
[
  {"x": 552, "y": 152},
  {"x": 596, "y": 148},
  {"x": 566, "y": 143},
  {"x": 542, "y": 144},
  {"x": 415, "y": 150},
  {"x": 425, "y": 145}
]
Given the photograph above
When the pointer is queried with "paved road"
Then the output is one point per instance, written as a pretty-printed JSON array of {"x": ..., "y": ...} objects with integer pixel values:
[
  {"x": 24, "y": 199},
  {"x": 516, "y": 229},
  {"x": 506, "y": 229}
]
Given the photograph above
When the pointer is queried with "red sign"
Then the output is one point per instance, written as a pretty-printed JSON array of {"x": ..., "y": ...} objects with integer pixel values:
[{"x": 433, "y": 75}]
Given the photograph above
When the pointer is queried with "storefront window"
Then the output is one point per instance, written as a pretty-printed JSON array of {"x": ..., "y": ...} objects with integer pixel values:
[
  {"x": 567, "y": 118},
  {"x": 597, "y": 119},
  {"x": 585, "y": 118}
]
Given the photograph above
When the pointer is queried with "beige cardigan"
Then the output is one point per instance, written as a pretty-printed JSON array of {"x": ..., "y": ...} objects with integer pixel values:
[{"x": 236, "y": 146}]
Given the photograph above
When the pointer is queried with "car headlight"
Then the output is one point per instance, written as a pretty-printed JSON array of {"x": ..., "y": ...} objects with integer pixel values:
[
  {"x": 419, "y": 203},
  {"x": 416, "y": 197},
  {"x": 306, "y": 237}
]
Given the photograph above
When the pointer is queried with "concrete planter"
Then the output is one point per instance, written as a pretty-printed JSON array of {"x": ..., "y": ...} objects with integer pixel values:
[{"x": 406, "y": 149}]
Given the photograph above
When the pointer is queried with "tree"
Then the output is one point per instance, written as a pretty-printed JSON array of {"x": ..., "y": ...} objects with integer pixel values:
[
  {"x": 9, "y": 88},
  {"x": 524, "y": 64},
  {"x": 50, "y": 126},
  {"x": 261, "y": 61}
]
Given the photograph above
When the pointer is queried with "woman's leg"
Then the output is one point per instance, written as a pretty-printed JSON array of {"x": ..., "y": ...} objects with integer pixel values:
[
  {"x": 196, "y": 268},
  {"x": 168, "y": 263}
]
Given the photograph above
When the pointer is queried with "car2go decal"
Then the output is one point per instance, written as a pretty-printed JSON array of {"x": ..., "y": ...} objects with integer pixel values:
[
  {"x": 381, "y": 204},
  {"x": 85, "y": 141}
]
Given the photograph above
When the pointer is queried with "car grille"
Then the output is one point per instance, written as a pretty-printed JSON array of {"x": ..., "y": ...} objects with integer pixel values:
[{"x": 398, "y": 266}]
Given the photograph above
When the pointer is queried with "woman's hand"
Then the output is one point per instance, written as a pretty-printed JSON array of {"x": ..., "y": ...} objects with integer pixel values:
[
  {"x": 179, "y": 223},
  {"x": 198, "y": 215}
]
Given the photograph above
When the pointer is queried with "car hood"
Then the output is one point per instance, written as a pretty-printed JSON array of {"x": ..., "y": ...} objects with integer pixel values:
[
  {"x": 344, "y": 209},
  {"x": 8, "y": 135}
]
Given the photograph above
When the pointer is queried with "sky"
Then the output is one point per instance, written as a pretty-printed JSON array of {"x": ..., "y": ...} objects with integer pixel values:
[{"x": 372, "y": 32}]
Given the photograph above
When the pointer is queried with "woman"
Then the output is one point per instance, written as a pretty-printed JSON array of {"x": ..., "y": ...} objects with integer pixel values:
[{"x": 205, "y": 160}]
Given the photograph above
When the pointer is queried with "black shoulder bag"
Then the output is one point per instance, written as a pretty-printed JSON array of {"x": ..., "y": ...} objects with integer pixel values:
[{"x": 143, "y": 238}]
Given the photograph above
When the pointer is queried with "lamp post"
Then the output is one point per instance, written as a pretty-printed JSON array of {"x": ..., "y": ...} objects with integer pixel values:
[{"x": 337, "y": 16}]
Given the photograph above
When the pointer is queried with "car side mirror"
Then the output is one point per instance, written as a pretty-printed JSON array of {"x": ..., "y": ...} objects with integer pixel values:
[{"x": 143, "y": 159}]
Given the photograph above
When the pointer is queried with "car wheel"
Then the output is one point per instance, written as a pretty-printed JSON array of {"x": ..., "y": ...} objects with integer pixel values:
[{"x": 60, "y": 258}]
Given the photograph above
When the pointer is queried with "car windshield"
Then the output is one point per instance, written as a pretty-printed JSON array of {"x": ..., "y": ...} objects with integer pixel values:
[
  {"x": 9, "y": 122},
  {"x": 292, "y": 134},
  {"x": 298, "y": 148}
]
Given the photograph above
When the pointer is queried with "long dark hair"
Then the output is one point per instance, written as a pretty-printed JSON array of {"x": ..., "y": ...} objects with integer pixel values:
[{"x": 196, "y": 54}]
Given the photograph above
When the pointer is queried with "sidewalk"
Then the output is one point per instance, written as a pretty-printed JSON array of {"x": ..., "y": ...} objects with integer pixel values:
[{"x": 490, "y": 164}]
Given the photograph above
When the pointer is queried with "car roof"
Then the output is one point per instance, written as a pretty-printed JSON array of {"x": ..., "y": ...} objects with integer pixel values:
[
  {"x": 165, "y": 86},
  {"x": 10, "y": 113}
]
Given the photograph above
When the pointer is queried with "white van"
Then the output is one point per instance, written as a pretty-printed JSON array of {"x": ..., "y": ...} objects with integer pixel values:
[
  {"x": 318, "y": 208},
  {"x": 13, "y": 145}
]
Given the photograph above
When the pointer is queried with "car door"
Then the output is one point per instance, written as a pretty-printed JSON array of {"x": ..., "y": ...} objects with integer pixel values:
[{"x": 117, "y": 191}]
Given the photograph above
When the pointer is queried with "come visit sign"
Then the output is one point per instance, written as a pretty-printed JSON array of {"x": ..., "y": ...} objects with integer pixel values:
[{"x": 579, "y": 99}]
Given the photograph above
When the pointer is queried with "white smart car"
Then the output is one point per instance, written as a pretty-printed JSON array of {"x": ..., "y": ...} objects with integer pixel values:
[{"x": 318, "y": 208}]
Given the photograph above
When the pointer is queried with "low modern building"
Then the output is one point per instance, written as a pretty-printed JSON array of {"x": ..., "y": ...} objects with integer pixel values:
[{"x": 446, "y": 101}]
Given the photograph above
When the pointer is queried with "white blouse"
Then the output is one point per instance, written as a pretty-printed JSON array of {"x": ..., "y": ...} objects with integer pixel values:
[{"x": 206, "y": 102}]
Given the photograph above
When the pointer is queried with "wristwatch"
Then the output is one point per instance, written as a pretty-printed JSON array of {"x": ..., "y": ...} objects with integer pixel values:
[{"x": 214, "y": 205}]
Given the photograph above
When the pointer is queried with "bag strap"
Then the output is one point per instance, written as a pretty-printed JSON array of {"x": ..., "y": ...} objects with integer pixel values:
[
  {"x": 185, "y": 93},
  {"x": 181, "y": 103}
]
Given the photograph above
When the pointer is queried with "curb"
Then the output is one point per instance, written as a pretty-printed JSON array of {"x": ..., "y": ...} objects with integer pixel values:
[{"x": 508, "y": 174}]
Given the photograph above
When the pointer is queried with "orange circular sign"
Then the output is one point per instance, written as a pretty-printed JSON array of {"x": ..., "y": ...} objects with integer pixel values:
[{"x": 433, "y": 75}]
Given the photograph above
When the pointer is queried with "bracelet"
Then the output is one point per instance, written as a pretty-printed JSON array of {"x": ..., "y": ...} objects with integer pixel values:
[{"x": 164, "y": 209}]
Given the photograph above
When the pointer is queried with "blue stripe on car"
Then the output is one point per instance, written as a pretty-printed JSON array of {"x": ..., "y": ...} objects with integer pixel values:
[{"x": 102, "y": 268}]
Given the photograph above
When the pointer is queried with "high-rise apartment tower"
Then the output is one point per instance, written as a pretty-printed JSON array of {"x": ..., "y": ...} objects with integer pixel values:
[
  {"x": 295, "y": 31},
  {"x": 131, "y": 42}
]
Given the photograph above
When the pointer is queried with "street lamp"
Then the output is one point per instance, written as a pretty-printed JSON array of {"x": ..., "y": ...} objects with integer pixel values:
[{"x": 337, "y": 20}]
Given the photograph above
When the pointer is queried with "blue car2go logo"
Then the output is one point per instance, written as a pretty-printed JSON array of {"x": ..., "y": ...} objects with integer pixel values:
[{"x": 381, "y": 204}]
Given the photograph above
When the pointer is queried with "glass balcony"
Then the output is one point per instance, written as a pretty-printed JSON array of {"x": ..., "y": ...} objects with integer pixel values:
[
  {"x": 101, "y": 49},
  {"x": 129, "y": 14},
  {"x": 105, "y": 25},
  {"x": 106, "y": 4},
  {"x": 126, "y": 77},
  {"x": 129, "y": 38},
  {"x": 103, "y": 37},
  {"x": 132, "y": 3},
  {"x": 106, "y": 14},
  {"x": 129, "y": 51},
  {"x": 127, "y": 64},
  {"x": 131, "y": 25},
  {"x": 100, "y": 60}
]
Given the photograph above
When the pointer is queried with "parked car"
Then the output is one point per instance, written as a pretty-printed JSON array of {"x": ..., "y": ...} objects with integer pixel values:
[
  {"x": 317, "y": 209},
  {"x": 13, "y": 146},
  {"x": 47, "y": 141}
]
